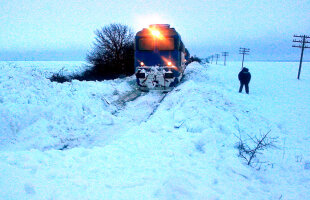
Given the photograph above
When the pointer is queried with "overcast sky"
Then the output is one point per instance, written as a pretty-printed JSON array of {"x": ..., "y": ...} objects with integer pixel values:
[{"x": 64, "y": 29}]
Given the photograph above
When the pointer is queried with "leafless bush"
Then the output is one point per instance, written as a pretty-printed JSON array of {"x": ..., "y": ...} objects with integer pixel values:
[
  {"x": 250, "y": 147},
  {"x": 59, "y": 77}
]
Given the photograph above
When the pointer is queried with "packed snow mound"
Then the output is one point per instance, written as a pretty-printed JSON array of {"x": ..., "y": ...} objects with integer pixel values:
[
  {"x": 37, "y": 113},
  {"x": 186, "y": 149}
]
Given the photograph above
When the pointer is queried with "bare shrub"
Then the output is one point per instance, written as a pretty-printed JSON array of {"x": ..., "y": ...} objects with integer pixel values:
[
  {"x": 59, "y": 77},
  {"x": 250, "y": 147}
]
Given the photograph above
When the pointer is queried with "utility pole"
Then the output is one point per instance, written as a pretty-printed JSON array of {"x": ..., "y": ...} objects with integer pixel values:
[
  {"x": 243, "y": 51},
  {"x": 225, "y": 54},
  {"x": 217, "y": 57},
  {"x": 302, "y": 41}
]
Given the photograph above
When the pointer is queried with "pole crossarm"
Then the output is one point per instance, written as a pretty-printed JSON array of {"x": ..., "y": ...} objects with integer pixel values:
[
  {"x": 244, "y": 51},
  {"x": 306, "y": 36}
]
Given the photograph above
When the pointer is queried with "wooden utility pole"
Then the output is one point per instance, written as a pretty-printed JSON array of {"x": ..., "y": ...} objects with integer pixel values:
[
  {"x": 217, "y": 57},
  {"x": 225, "y": 54},
  {"x": 243, "y": 51},
  {"x": 211, "y": 59},
  {"x": 302, "y": 41}
]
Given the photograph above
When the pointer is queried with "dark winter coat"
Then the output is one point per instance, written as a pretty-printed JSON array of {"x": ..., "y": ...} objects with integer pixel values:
[{"x": 244, "y": 76}]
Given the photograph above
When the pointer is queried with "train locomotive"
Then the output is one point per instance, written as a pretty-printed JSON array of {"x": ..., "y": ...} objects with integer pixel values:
[{"x": 160, "y": 58}]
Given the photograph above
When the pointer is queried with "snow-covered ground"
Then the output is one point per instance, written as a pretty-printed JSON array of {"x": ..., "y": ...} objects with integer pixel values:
[{"x": 78, "y": 140}]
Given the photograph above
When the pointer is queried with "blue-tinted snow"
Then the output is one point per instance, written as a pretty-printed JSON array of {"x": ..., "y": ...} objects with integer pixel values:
[{"x": 185, "y": 150}]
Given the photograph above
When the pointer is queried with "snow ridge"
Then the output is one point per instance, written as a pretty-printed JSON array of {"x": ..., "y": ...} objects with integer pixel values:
[{"x": 185, "y": 150}]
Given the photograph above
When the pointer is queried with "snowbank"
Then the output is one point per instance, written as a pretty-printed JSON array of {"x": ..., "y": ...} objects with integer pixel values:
[
  {"x": 185, "y": 150},
  {"x": 40, "y": 114}
]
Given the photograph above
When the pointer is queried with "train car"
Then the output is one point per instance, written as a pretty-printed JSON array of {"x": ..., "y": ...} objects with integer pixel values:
[{"x": 160, "y": 57}]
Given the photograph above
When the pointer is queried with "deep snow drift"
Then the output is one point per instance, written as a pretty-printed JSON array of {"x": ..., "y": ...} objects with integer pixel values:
[{"x": 79, "y": 141}]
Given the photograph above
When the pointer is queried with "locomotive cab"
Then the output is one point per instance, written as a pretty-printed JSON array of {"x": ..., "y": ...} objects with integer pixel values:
[{"x": 159, "y": 57}]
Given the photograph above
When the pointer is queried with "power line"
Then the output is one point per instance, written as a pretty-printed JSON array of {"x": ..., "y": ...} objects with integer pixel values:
[
  {"x": 211, "y": 58},
  {"x": 217, "y": 57},
  {"x": 302, "y": 44},
  {"x": 243, "y": 51},
  {"x": 225, "y": 54}
]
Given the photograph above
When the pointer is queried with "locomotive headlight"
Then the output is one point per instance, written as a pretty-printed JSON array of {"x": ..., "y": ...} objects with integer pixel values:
[
  {"x": 156, "y": 33},
  {"x": 142, "y": 63},
  {"x": 169, "y": 63}
]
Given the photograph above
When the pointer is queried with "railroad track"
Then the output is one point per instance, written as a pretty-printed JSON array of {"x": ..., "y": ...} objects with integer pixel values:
[
  {"x": 156, "y": 107},
  {"x": 130, "y": 96},
  {"x": 121, "y": 102}
]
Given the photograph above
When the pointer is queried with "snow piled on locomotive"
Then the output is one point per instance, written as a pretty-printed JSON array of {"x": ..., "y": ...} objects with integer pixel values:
[{"x": 159, "y": 57}]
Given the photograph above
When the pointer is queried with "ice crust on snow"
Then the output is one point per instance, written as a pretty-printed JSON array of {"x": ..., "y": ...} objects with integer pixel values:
[{"x": 74, "y": 141}]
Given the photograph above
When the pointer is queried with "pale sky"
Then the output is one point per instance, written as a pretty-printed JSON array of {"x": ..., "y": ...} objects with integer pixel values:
[{"x": 64, "y": 30}]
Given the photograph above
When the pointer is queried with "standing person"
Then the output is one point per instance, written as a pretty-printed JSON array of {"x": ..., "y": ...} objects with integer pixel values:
[{"x": 244, "y": 78}]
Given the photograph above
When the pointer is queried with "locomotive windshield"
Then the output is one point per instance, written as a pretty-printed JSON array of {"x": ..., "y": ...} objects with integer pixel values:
[
  {"x": 147, "y": 44},
  {"x": 166, "y": 44}
]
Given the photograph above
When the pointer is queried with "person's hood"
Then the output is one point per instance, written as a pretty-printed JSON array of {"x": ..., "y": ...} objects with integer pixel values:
[{"x": 245, "y": 69}]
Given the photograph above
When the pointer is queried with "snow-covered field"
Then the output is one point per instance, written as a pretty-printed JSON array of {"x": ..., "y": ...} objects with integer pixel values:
[{"x": 77, "y": 140}]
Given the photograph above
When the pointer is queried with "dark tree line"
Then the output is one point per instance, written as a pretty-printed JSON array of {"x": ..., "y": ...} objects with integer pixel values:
[{"x": 195, "y": 59}]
